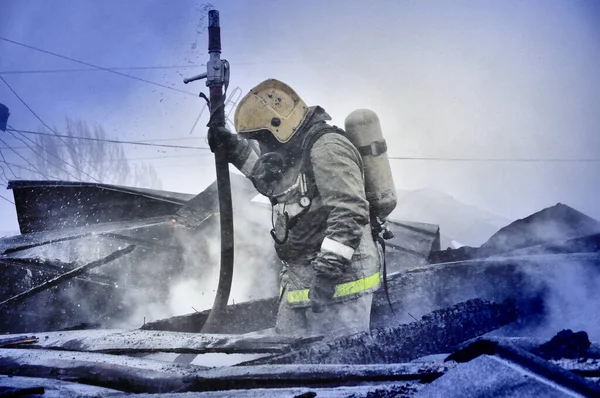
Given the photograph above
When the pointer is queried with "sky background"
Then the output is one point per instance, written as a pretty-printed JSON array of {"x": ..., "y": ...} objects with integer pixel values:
[{"x": 448, "y": 79}]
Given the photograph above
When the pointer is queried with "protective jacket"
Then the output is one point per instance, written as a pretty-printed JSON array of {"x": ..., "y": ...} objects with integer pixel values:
[{"x": 320, "y": 212}]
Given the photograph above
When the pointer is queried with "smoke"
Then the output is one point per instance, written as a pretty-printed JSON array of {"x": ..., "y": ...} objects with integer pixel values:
[
  {"x": 569, "y": 288},
  {"x": 191, "y": 285}
]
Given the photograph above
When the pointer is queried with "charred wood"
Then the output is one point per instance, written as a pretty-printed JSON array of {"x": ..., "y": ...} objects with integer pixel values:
[{"x": 436, "y": 332}]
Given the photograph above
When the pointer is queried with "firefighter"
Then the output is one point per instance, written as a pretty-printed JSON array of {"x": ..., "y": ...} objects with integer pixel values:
[{"x": 313, "y": 176}]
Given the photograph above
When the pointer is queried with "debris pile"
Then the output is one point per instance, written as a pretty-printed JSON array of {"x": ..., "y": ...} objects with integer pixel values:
[
  {"x": 454, "y": 329},
  {"x": 436, "y": 332},
  {"x": 561, "y": 228},
  {"x": 565, "y": 344}
]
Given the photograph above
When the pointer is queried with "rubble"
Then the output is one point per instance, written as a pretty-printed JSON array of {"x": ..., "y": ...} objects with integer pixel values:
[
  {"x": 522, "y": 277},
  {"x": 560, "y": 227},
  {"x": 436, "y": 332},
  {"x": 116, "y": 341},
  {"x": 398, "y": 391},
  {"x": 499, "y": 364},
  {"x": 565, "y": 344},
  {"x": 17, "y": 386}
]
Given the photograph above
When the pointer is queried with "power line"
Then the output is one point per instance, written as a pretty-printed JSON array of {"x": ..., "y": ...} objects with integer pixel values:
[
  {"x": 522, "y": 160},
  {"x": 46, "y": 159},
  {"x": 36, "y": 71},
  {"x": 48, "y": 127},
  {"x": 7, "y": 165},
  {"x": 8, "y": 200},
  {"x": 26, "y": 161},
  {"x": 19, "y": 166},
  {"x": 111, "y": 141},
  {"x": 4, "y": 174},
  {"x": 96, "y": 66},
  {"x": 149, "y": 140}
]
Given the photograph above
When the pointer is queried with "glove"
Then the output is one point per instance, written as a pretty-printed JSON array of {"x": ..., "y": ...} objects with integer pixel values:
[
  {"x": 237, "y": 149},
  {"x": 221, "y": 137},
  {"x": 321, "y": 293},
  {"x": 327, "y": 270}
]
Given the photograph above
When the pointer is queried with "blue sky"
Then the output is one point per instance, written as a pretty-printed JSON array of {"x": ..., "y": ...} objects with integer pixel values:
[{"x": 449, "y": 79}]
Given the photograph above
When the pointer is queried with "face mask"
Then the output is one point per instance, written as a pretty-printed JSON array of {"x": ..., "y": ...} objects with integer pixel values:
[{"x": 267, "y": 172}]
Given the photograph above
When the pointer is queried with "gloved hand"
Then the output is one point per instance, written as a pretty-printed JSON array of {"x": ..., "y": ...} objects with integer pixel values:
[
  {"x": 221, "y": 136},
  {"x": 328, "y": 268},
  {"x": 321, "y": 292}
]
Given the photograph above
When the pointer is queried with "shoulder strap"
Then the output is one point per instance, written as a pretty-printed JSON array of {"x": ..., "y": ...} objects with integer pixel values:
[{"x": 307, "y": 145}]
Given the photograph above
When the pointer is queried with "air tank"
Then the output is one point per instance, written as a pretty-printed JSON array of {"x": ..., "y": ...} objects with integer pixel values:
[{"x": 364, "y": 131}]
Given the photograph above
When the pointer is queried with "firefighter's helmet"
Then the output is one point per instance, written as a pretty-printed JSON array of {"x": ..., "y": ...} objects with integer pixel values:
[{"x": 272, "y": 105}]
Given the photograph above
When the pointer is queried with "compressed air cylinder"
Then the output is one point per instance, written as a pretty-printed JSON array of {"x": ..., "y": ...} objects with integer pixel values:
[{"x": 364, "y": 131}]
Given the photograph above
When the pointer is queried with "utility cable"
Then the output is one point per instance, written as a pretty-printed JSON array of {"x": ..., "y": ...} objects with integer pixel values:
[
  {"x": 8, "y": 200},
  {"x": 197, "y": 119},
  {"x": 26, "y": 161},
  {"x": 112, "y": 141},
  {"x": 4, "y": 174},
  {"x": 7, "y": 165},
  {"x": 522, "y": 160},
  {"x": 149, "y": 140},
  {"x": 46, "y": 159},
  {"x": 19, "y": 166},
  {"x": 36, "y": 71},
  {"x": 96, "y": 66},
  {"x": 49, "y": 128}
]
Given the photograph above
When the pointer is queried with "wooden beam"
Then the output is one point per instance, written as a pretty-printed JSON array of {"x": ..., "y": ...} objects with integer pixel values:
[
  {"x": 137, "y": 375},
  {"x": 146, "y": 341}
]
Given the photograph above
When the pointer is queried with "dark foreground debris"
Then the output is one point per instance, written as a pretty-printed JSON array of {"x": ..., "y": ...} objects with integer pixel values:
[
  {"x": 565, "y": 344},
  {"x": 495, "y": 364},
  {"x": 61, "y": 362},
  {"x": 396, "y": 391},
  {"x": 437, "y": 332}
]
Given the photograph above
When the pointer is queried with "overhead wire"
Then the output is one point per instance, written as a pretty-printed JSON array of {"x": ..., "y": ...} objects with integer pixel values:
[
  {"x": 19, "y": 166},
  {"x": 4, "y": 174},
  {"x": 148, "y": 140},
  {"x": 116, "y": 71},
  {"x": 49, "y": 128},
  {"x": 26, "y": 161},
  {"x": 7, "y": 165},
  {"x": 114, "y": 141},
  {"x": 516, "y": 160},
  {"x": 48, "y": 152},
  {"x": 8, "y": 200},
  {"x": 42, "y": 71},
  {"x": 96, "y": 66}
]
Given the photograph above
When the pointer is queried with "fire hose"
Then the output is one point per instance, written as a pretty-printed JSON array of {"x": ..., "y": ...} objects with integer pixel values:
[{"x": 217, "y": 80}]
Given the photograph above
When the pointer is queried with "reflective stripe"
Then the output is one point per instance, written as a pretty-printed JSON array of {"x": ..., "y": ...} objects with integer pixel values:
[
  {"x": 341, "y": 290},
  {"x": 338, "y": 248},
  {"x": 246, "y": 168}
]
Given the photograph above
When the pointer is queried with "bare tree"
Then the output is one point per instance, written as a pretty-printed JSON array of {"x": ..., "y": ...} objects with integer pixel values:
[{"x": 90, "y": 160}]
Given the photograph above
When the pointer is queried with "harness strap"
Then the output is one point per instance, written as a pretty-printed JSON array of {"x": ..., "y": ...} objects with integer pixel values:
[{"x": 380, "y": 240}]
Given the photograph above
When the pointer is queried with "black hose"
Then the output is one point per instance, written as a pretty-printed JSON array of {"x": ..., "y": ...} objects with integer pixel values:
[{"x": 217, "y": 119}]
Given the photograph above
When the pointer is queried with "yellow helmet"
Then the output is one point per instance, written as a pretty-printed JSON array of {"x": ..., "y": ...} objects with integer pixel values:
[{"x": 272, "y": 106}]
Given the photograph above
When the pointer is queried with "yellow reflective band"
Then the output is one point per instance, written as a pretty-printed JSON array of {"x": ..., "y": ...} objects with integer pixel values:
[
  {"x": 297, "y": 296},
  {"x": 341, "y": 290}
]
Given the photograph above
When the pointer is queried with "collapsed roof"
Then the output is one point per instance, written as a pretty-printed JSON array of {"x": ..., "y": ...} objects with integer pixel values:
[{"x": 534, "y": 277}]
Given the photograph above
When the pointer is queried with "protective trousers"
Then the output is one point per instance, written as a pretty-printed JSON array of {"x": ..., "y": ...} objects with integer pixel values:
[{"x": 342, "y": 318}]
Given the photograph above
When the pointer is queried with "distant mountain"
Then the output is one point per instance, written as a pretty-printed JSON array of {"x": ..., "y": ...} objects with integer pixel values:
[{"x": 460, "y": 224}]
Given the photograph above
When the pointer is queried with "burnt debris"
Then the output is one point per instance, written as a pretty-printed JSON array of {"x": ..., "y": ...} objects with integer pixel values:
[
  {"x": 560, "y": 228},
  {"x": 437, "y": 332},
  {"x": 565, "y": 344}
]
